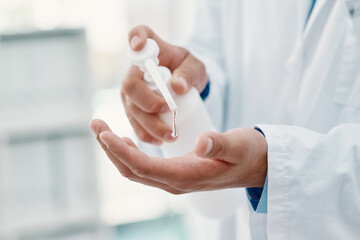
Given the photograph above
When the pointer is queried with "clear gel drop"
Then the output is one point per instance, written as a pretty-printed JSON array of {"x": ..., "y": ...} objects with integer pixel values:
[{"x": 174, "y": 129}]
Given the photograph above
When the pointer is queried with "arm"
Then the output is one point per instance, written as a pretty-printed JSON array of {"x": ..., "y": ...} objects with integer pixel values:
[
  {"x": 310, "y": 175},
  {"x": 313, "y": 177}
]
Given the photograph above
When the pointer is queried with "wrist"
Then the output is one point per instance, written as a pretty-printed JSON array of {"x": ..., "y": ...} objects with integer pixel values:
[{"x": 260, "y": 159}]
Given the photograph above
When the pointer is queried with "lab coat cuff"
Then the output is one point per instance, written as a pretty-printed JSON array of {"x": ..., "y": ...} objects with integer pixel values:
[
  {"x": 205, "y": 93},
  {"x": 277, "y": 175},
  {"x": 258, "y": 198}
]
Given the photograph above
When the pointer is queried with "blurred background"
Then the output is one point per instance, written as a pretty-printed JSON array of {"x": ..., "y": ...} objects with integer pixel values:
[{"x": 61, "y": 64}]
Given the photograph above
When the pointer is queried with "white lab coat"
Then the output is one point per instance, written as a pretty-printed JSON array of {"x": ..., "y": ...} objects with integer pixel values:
[{"x": 301, "y": 85}]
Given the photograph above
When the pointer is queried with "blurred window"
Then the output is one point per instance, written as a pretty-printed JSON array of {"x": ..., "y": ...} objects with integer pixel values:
[{"x": 107, "y": 23}]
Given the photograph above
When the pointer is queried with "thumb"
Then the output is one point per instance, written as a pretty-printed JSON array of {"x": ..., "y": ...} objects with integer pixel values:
[
  {"x": 212, "y": 145},
  {"x": 190, "y": 73},
  {"x": 138, "y": 35}
]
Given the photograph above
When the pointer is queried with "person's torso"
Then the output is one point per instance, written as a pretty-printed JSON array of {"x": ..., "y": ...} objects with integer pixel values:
[
  {"x": 287, "y": 70},
  {"x": 283, "y": 68}
]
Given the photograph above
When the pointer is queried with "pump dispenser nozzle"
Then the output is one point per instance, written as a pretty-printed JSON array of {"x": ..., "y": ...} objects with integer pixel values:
[{"x": 147, "y": 60}]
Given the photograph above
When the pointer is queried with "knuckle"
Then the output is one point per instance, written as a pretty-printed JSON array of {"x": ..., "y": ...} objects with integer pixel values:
[
  {"x": 145, "y": 28},
  {"x": 127, "y": 85},
  {"x": 137, "y": 171},
  {"x": 133, "y": 177},
  {"x": 182, "y": 50},
  {"x": 140, "y": 171},
  {"x": 219, "y": 149},
  {"x": 154, "y": 106},
  {"x": 126, "y": 173},
  {"x": 132, "y": 107}
]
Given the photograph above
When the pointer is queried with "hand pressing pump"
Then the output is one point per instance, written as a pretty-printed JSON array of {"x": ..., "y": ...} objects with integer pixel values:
[{"x": 189, "y": 110}]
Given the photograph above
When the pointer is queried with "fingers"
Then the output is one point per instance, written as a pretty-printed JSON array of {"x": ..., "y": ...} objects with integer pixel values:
[
  {"x": 140, "y": 164},
  {"x": 176, "y": 176},
  {"x": 184, "y": 174},
  {"x": 232, "y": 146},
  {"x": 212, "y": 145},
  {"x": 98, "y": 126},
  {"x": 142, "y": 134},
  {"x": 142, "y": 104},
  {"x": 187, "y": 70},
  {"x": 190, "y": 73},
  {"x": 168, "y": 171},
  {"x": 152, "y": 129},
  {"x": 170, "y": 56},
  {"x": 126, "y": 172},
  {"x": 151, "y": 123},
  {"x": 138, "y": 35},
  {"x": 129, "y": 142},
  {"x": 135, "y": 88}
]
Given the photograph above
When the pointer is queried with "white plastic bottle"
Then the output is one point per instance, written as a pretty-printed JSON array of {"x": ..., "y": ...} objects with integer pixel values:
[{"x": 192, "y": 119}]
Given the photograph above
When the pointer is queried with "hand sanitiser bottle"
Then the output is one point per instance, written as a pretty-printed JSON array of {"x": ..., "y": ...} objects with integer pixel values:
[
  {"x": 189, "y": 119},
  {"x": 188, "y": 115}
]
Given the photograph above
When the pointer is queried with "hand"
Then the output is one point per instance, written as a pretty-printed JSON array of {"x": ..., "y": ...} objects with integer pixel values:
[
  {"x": 142, "y": 105},
  {"x": 237, "y": 158}
]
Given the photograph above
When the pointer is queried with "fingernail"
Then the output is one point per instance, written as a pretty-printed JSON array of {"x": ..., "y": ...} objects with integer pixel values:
[
  {"x": 182, "y": 81},
  {"x": 168, "y": 137},
  {"x": 209, "y": 146},
  {"x": 104, "y": 141},
  {"x": 165, "y": 109},
  {"x": 135, "y": 41}
]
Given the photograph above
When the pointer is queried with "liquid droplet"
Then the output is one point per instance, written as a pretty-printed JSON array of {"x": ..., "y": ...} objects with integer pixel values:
[{"x": 174, "y": 129}]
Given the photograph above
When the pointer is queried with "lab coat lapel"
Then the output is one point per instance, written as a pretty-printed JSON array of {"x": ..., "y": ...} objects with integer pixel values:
[
  {"x": 320, "y": 48},
  {"x": 309, "y": 36},
  {"x": 317, "y": 17}
]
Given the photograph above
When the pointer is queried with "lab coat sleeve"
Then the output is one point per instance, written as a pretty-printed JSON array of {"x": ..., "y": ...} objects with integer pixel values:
[
  {"x": 205, "y": 43},
  {"x": 258, "y": 198},
  {"x": 313, "y": 182}
]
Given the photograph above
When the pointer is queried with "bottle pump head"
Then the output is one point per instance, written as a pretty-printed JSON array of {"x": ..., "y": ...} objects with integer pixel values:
[{"x": 147, "y": 61}]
